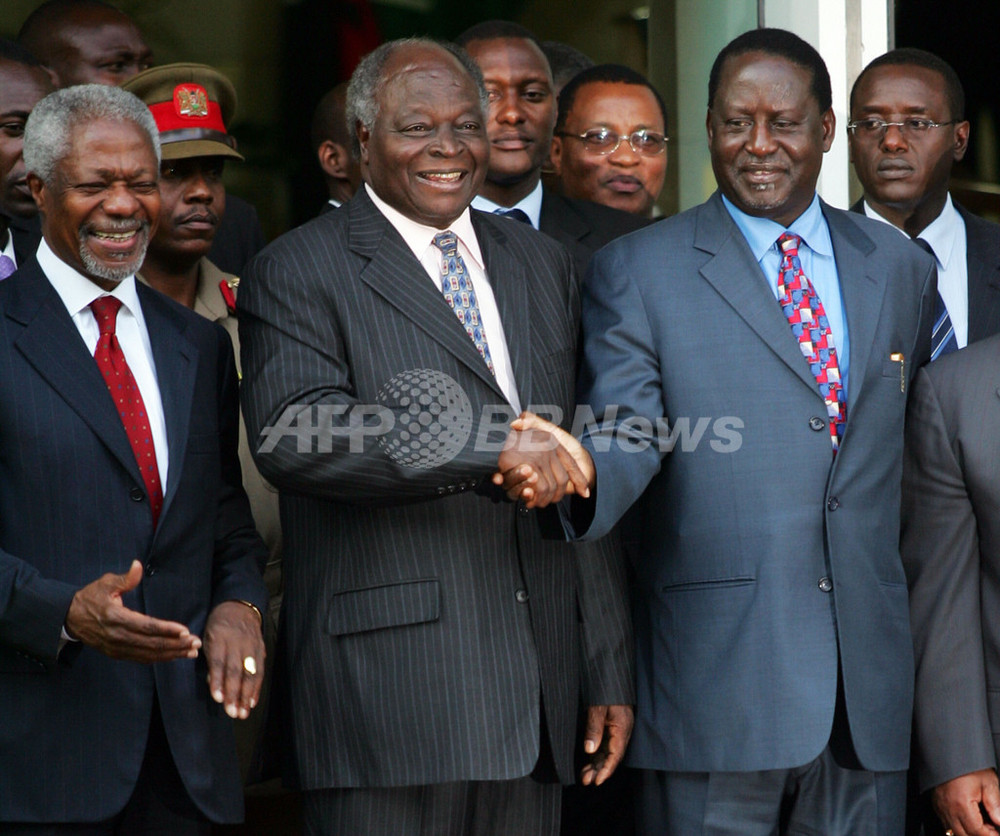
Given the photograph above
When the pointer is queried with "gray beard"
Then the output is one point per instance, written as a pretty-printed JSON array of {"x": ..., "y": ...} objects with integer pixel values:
[{"x": 121, "y": 271}]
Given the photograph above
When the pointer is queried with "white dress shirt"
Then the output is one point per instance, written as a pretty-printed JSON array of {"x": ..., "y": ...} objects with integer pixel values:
[
  {"x": 77, "y": 292},
  {"x": 531, "y": 205},
  {"x": 8, "y": 249},
  {"x": 419, "y": 238},
  {"x": 946, "y": 236}
]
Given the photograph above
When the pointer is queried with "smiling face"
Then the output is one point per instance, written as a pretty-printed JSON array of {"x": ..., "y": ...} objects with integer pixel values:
[
  {"x": 20, "y": 89},
  {"x": 767, "y": 136},
  {"x": 426, "y": 152},
  {"x": 522, "y": 111},
  {"x": 904, "y": 174},
  {"x": 623, "y": 179},
  {"x": 100, "y": 209},
  {"x": 95, "y": 45}
]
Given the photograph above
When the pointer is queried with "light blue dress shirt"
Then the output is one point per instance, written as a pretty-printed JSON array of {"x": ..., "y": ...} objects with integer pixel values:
[{"x": 818, "y": 263}]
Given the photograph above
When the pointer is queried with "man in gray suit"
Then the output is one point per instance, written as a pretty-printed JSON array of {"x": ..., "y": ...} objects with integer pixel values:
[
  {"x": 774, "y": 655},
  {"x": 908, "y": 129},
  {"x": 431, "y": 636},
  {"x": 950, "y": 543}
]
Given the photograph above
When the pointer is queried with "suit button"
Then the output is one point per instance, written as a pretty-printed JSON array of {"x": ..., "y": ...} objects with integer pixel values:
[
  {"x": 816, "y": 423},
  {"x": 135, "y": 494},
  {"x": 825, "y": 584},
  {"x": 442, "y": 491},
  {"x": 833, "y": 503},
  {"x": 522, "y": 510},
  {"x": 522, "y": 596},
  {"x": 150, "y": 569}
]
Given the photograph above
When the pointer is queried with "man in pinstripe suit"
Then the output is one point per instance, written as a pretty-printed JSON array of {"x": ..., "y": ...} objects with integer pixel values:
[{"x": 434, "y": 641}]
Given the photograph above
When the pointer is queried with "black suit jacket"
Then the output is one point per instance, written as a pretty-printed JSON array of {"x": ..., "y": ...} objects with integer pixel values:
[
  {"x": 72, "y": 509},
  {"x": 238, "y": 238},
  {"x": 425, "y": 619},
  {"x": 26, "y": 232},
  {"x": 583, "y": 227},
  {"x": 983, "y": 265}
]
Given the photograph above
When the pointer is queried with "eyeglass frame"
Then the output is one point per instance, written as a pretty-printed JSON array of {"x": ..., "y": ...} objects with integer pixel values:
[
  {"x": 621, "y": 138},
  {"x": 880, "y": 133}
]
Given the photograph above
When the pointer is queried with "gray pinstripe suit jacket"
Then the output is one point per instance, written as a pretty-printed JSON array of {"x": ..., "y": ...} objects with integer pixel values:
[{"x": 426, "y": 619}]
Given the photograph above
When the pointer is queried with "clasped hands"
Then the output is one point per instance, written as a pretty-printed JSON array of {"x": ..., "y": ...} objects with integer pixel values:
[
  {"x": 233, "y": 643},
  {"x": 541, "y": 463}
]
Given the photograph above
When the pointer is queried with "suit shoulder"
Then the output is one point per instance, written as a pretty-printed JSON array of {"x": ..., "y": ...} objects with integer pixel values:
[
  {"x": 954, "y": 373},
  {"x": 605, "y": 217},
  {"x": 509, "y": 231}
]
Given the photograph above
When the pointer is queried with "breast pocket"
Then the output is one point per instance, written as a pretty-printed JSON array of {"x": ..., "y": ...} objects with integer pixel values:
[{"x": 378, "y": 607}]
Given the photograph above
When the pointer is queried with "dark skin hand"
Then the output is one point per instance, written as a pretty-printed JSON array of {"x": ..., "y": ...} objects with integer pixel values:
[
  {"x": 232, "y": 634},
  {"x": 542, "y": 463},
  {"x": 957, "y": 803},
  {"x": 609, "y": 728},
  {"x": 98, "y": 618}
]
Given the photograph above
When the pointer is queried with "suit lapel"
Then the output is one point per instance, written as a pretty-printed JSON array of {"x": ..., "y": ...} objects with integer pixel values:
[
  {"x": 509, "y": 281},
  {"x": 176, "y": 361},
  {"x": 395, "y": 274},
  {"x": 862, "y": 289},
  {"x": 735, "y": 274},
  {"x": 50, "y": 342}
]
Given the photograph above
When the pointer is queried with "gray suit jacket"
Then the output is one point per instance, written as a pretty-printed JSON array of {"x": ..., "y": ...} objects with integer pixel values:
[
  {"x": 951, "y": 546},
  {"x": 425, "y": 618},
  {"x": 761, "y": 560}
]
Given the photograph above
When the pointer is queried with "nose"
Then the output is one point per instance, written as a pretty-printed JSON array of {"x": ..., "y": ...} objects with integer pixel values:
[
  {"x": 198, "y": 190},
  {"x": 446, "y": 142},
  {"x": 624, "y": 154},
  {"x": 507, "y": 109},
  {"x": 760, "y": 140},
  {"x": 893, "y": 138},
  {"x": 120, "y": 200}
]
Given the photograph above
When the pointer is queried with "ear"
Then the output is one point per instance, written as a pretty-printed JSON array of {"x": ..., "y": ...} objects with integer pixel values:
[
  {"x": 961, "y": 140},
  {"x": 829, "y": 122},
  {"x": 333, "y": 158},
  {"x": 364, "y": 135},
  {"x": 38, "y": 191},
  {"x": 708, "y": 125},
  {"x": 555, "y": 155}
]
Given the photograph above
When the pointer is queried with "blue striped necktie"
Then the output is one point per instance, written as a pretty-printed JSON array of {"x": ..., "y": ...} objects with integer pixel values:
[
  {"x": 943, "y": 339},
  {"x": 456, "y": 285}
]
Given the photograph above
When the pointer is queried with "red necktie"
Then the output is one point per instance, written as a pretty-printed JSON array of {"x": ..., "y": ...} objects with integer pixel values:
[
  {"x": 127, "y": 397},
  {"x": 805, "y": 314}
]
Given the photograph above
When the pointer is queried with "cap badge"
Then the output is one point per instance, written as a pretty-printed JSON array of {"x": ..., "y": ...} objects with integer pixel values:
[{"x": 191, "y": 100}]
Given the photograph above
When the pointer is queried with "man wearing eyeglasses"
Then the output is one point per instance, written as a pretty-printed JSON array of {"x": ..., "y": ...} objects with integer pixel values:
[
  {"x": 610, "y": 143},
  {"x": 519, "y": 128},
  {"x": 907, "y": 129}
]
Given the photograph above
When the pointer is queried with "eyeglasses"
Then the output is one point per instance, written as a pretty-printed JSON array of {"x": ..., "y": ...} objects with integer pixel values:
[
  {"x": 908, "y": 127},
  {"x": 602, "y": 141}
]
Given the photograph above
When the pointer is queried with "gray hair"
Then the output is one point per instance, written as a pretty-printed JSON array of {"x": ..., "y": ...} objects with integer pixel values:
[
  {"x": 362, "y": 101},
  {"x": 48, "y": 129}
]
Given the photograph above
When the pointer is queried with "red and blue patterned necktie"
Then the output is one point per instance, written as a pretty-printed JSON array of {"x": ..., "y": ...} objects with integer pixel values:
[
  {"x": 456, "y": 285},
  {"x": 127, "y": 397},
  {"x": 805, "y": 314}
]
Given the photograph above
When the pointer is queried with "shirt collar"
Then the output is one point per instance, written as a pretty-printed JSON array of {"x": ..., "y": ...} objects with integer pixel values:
[
  {"x": 940, "y": 234},
  {"x": 76, "y": 290},
  {"x": 419, "y": 237},
  {"x": 762, "y": 233},
  {"x": 530, "y": 205}
]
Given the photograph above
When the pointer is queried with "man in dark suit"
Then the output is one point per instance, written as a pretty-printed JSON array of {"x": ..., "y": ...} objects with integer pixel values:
[
  {"x": 431, "y": 635},
  {"x": 522, "y": 116},
  {"x": 23, "y": 81},
  {"x": 774, "y": 656},
  {"x": 950, "y": 543},
  {"x": 131, "y": 597},
  {"x": 92, "y": 42},
  {"x": 907, "y": 129}
]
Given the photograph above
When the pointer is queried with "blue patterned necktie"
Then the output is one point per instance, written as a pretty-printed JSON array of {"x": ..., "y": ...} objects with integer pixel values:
[
  {"x": 943, "y": 340},
  {"x": 7, "y": 267},
  {"x": 456, "y": 285}
]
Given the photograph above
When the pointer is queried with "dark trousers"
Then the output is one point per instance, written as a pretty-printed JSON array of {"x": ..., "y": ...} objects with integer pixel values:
[
  {"x": 159, "y": 806},
  {"x": 465, "y": 808}
]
